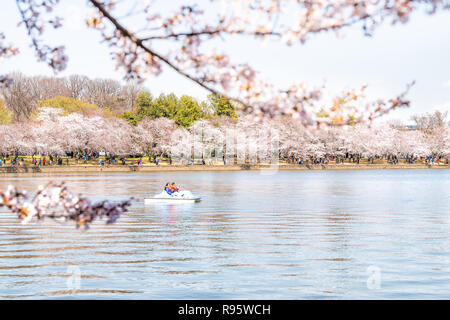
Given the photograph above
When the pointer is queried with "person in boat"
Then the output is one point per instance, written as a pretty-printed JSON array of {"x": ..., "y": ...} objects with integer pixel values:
[
  {"x": 168, "y": 188},
  {"x": 174, "y": 187}
]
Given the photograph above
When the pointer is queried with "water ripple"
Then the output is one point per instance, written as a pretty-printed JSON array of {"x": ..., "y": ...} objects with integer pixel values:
[{"x": 248, "y": 238}]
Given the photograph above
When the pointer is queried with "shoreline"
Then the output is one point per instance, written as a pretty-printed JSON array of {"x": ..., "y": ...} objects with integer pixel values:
[{"x": 6, "y": 171}]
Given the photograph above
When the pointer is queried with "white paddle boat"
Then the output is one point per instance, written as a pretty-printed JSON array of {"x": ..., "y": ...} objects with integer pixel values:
[{"x": 184, "y": 196}]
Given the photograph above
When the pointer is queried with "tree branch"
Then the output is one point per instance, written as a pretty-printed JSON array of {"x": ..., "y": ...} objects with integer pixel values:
[{"x": 139, "y": 42}]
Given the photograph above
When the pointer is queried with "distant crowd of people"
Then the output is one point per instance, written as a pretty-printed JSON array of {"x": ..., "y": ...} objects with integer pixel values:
[
  {"x": 111, "y": 160},
  {"x": 78, "y": 159},
  {"x": 352, "y": 158},
  {"x": 43, "y": 161}
]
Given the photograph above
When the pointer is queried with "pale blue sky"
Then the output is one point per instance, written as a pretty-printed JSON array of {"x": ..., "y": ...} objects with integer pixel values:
[{"x": 394, "y": 56}]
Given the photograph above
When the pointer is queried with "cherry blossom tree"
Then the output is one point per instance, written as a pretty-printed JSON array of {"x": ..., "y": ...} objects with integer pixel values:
[
  {"x": 178, "y": 39},
  {"x": 180, "y": 145},
  {"x": 412, "y": 143},
  {"x": 113, "y": 137},
  {"x": 49, "y": 135},
  {"x": 438, "y": 140},
  {"x": 208, "y": 141},
  {"x": 152, "y": 136}
]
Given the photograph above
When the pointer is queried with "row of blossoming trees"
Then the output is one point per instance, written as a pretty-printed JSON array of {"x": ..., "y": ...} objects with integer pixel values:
[{"x": 52, "y": 132}]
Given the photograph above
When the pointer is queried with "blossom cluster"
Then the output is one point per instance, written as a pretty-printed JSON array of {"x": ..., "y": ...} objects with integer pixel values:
[
  {"x": 56, "y": 201},
  {"x": 54, "y": 134},
  {"x": 145, "y": 39},
  {"x": 186, "y": 31},
  {"x": 34, "y": 17},
  {"x": 286, "y": 137}
]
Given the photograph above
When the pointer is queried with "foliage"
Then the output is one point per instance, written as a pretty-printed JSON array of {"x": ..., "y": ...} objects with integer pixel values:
[
  {"x": 184, "y": 110},
  {"x": 143, "y": 106},
  {"x": 176, "y": 39},
  {"x": 222, "y": 106},
  {"x": 5, "y": 114},
  {"x": 188, "y": 110},
  {"x": 79, "y": 94},
  {"x": 23, "y": 95},
  {"x": 167, "y": 104},
  {"x": 71, "y": 105},
  {"x": 130, "y": 117}
]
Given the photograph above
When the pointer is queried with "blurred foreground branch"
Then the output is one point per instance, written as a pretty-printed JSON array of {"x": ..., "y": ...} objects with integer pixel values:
[{"x": 56, "y": 201}]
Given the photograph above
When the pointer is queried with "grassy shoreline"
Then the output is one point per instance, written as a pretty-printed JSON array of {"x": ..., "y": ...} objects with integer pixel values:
[{"x": 8, "y": 170}]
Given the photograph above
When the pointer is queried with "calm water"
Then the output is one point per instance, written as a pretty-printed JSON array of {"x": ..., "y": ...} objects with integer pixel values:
[{"x": 292, "y": 235}]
